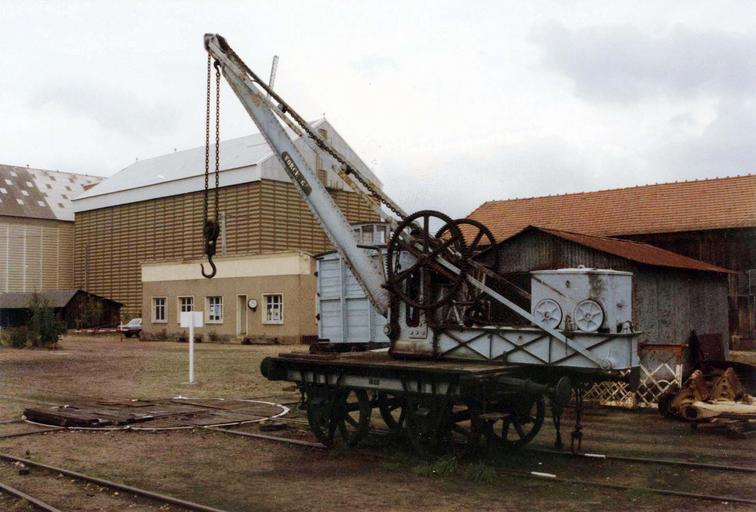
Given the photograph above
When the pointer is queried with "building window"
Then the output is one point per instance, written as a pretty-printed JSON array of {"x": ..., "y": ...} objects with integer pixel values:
[
  {"x": 215, "y": 310},
  {"x": 185, "y": 305},
  {"x": 158, "y": 309},
  {"x": 273, "y": 308}
]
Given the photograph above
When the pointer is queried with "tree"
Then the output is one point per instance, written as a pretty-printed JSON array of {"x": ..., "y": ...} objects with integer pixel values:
[{"x": 44, "y": 327}]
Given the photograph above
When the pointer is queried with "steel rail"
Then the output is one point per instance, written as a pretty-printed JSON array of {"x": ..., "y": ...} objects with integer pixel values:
[
  {"x": 298, "y": 442},
  {"x": 646, "y": 460},
  {"x": 655, "y": 490},
  {"x": 22, "y": 434},
  {"x": 31, "y": 499},
  {"x": 115, "y": 485}
]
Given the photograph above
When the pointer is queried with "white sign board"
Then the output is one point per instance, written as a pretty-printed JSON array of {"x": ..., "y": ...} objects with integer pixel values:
[{"x": 192, "y": 319}]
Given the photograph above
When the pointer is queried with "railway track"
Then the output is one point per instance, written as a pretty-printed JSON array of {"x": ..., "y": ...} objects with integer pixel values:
[
  {"x": 300, "y": 423},
  {"x": 121, "y": 491},
  {"x": 588, "y": 457}
]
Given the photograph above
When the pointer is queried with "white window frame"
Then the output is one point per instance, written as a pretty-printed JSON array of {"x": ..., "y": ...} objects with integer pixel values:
[
  {"x": 179, "y": 306},
  {"x": 207, "y": 309},
  {"x": 154, "y": 310},
  {"x": 265, "y": 320}
]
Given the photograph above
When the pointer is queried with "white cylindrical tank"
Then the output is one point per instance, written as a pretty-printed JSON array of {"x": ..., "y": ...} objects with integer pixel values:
[{"x": 582, "y": 299}]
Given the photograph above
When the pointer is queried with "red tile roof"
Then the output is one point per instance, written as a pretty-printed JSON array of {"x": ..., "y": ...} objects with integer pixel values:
[
  {"x": 718, "y": 203},
  {"x": 634, "y": 251}
]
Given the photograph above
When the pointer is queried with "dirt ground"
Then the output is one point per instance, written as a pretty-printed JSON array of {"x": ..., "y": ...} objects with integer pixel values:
[{"x": 241, "y": 474}]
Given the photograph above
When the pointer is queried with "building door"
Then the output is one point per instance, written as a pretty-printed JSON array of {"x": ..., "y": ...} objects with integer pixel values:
[{"x": 241, "y": 315}]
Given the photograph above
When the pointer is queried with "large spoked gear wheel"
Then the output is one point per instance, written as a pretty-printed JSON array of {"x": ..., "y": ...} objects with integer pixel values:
[
  {"x": 414, "y": 274},
  {"x": 479, "y": 240}
]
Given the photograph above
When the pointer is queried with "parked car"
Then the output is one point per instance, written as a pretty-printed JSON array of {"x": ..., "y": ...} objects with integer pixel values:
[{"x": 133, "y": 328}]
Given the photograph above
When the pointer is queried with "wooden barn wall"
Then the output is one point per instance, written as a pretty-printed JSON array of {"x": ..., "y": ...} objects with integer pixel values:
[
  {"x": 734, "y": 249},
  {"x": 259, "y": 217},
  {"x": 667, "y": 303},
  {"x": 671, "y": 303},
  {"x": 35, "y": 255},
  {"x": 729, "y": 248}
]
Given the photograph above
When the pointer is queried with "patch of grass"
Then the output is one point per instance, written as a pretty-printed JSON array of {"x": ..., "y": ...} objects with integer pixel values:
[
  {"x": 638, "y": 493},
  {"x": 443, "y": 467},
  {"x": 479, "y": 472},
  {"x": 22, "y": 504},
  {"x": 391, "y": 465}
]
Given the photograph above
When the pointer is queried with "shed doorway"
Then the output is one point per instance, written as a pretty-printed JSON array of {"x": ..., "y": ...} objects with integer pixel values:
[{"x": 241, "y": 315}]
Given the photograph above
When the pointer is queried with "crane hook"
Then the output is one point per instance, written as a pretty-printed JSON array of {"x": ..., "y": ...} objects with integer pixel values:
[
  {"x": 211, "y": 231},
  {"x": 212, "y": 266}
]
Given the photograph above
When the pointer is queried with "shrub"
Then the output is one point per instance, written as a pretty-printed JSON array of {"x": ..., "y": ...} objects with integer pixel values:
[
  {"x": 16, "y": 337},
  {"x": 214, "y": 336},
  {"x": 44, "y": 327}
]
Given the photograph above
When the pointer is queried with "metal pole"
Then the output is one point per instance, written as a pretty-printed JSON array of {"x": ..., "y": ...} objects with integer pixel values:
[{"x": 191, "y": 350}]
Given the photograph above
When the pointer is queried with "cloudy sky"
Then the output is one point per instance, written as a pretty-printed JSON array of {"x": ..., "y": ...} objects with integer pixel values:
[{"x": 450, "y": 103}]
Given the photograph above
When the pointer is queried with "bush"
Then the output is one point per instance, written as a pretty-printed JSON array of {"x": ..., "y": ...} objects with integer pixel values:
[
  {"x": 44, "y": 327},
  {"x": 215, "y": 337},
  {"x": 16, "y": 337}
]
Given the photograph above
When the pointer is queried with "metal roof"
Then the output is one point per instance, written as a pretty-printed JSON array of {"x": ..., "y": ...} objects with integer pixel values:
[
  {"x": 719, "y": 203},
  {"x": 241, "y": 161},
  {"x": 57, "y": 298},
  {"x": 634, "y": 251},
  {"x": 40, "y": 194}
]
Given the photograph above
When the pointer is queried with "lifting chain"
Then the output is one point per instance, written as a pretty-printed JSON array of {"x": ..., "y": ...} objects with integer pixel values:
[{"x": 211, "y": 227}]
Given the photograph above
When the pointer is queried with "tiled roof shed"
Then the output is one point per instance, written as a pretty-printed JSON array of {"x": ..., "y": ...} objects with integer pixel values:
[
  {"x": 637, "y": 252},
  {"x": 719, "y": 203},
  {"x": 672, "y": 294}
]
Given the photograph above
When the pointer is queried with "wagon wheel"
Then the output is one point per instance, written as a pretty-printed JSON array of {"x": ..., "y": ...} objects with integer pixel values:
[
  {"x": 523, "y": 417},
  {"x": 392, "y": 410},
  {"x": 465, "y": 424},
  {"x": 344, "y": 411},
  {"x": 479, "y": 240},
  {"x": 411, "y": 261},
  {"x": 426, "y": 424}
]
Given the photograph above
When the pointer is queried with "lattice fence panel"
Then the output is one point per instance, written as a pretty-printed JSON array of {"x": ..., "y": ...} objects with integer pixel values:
[{"x": 660, "y": 368}]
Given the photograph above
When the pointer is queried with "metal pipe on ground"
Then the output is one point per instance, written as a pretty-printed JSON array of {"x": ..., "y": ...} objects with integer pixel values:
[{"x": 269, "y": 438}]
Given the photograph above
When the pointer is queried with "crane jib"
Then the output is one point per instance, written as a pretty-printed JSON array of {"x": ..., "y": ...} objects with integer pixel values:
[{"x": 295, "y": 174}]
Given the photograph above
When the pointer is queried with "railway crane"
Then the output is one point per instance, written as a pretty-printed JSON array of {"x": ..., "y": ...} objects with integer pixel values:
[{"x": 452, "y": 371}]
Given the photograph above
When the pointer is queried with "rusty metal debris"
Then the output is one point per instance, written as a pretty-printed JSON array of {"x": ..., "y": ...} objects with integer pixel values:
[{"x": 723, "y": 405}]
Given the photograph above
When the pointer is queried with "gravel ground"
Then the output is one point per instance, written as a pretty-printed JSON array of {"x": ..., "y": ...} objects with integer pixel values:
[{"x": 243, "y": 474}]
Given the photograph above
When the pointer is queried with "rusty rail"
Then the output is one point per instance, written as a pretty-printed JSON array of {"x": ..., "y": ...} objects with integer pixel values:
[
  {"x": 654, "y": 490},
  {"x": 115, "y": 485},
  {"x": 647, "y": 460},
  {"x": 31, "y": 499}
]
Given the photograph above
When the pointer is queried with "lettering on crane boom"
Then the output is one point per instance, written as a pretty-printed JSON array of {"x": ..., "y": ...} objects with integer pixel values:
[{"x": 295, "y": 174}]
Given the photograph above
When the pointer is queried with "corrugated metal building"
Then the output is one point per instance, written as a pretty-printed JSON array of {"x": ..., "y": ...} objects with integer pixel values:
[
  {"x": 672, "y": 294},
  {"x": 37, "y": 228},
  {"x": 710, "y": 220},
  {"x": 152, "y": 211}
]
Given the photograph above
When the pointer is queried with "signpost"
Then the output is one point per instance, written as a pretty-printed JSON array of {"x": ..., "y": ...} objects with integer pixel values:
[{"x": 191, "y": 319}]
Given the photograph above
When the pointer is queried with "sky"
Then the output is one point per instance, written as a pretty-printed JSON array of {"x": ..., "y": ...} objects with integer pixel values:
[{"x": 450, "y": 103}]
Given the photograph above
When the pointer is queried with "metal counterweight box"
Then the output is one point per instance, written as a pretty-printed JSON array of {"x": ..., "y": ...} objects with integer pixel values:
[{"x": 582, "y": 299}]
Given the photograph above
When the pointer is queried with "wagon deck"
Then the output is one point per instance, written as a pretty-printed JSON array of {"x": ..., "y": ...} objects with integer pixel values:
[{"x": 381, "y": 360}]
